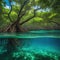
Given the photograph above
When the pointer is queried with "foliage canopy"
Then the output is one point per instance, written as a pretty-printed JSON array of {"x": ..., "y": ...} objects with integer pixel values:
[{"x": 17, "y": 13}]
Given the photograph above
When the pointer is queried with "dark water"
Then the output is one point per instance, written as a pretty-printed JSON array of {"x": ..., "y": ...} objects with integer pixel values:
[{"x": 31, "y": 41}]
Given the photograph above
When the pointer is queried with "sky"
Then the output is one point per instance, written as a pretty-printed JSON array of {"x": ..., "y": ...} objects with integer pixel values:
[
  {"x": 7, "y": 6},
  {"x": 7, "y": 2}
]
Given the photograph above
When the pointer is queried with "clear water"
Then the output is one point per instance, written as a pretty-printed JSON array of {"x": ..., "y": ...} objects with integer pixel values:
[{"x": 33, "y": 41}]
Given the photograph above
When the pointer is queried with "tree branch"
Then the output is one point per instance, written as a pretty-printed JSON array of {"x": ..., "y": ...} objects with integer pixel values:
[
  {"x": 8, "y": 27},
  {"x": 23, "y": 13},
  {"x": 30, "y": 17},
  {"x": 10, "y": 11},
  {"x": 55, "y": 23},
  {"x": 18, "y": 15},
  {"x": 18, "y": 18}
]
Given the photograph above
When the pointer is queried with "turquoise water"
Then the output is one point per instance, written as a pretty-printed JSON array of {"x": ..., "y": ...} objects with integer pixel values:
[
  {"x": 45, "y": 42},
  {"x": 32, "y": 34}
]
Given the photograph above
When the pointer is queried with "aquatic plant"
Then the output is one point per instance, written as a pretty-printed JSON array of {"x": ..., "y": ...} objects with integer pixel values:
[{"x": 33, "y": 55}]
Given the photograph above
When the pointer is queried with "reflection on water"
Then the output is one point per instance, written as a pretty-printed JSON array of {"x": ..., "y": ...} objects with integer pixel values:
[{"x": 26, "y": 45}]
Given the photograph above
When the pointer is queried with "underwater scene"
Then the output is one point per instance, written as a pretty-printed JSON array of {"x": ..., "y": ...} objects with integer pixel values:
[
  {"x": 32, "y": 45},
  {"x": 29, "y": 29}
]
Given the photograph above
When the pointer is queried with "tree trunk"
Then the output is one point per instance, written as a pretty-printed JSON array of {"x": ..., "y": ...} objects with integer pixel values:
[{"x": 13, "y": 43}]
